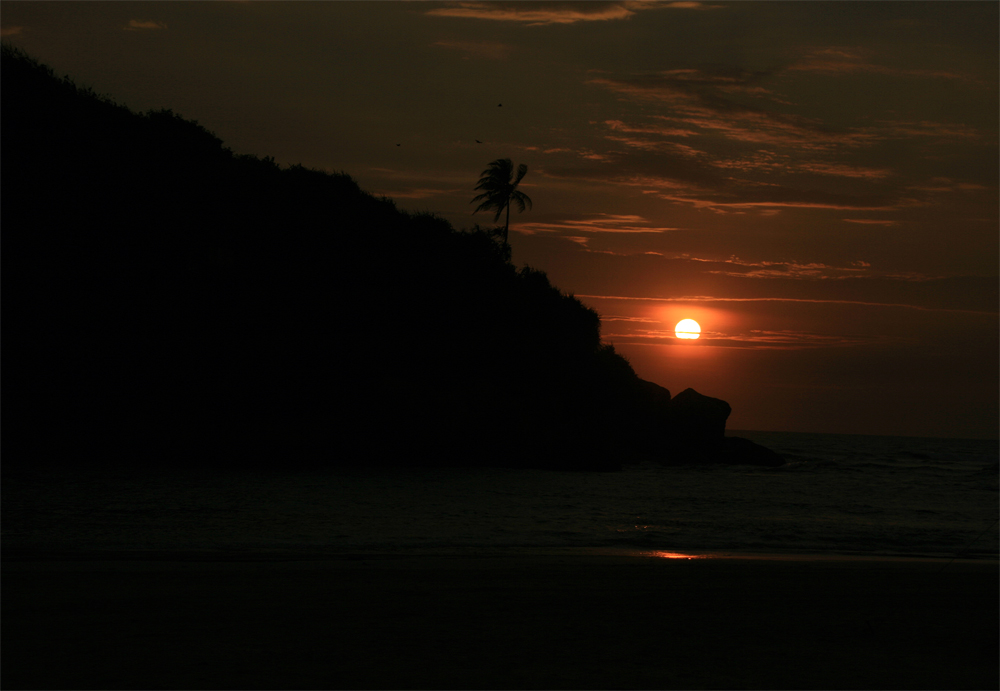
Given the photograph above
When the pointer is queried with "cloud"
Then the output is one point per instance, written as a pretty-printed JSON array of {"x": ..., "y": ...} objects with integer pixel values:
[
  {"x": 905, "y": 129},
  {"x": 641, "y": 320},
  {"x": 792, "y": 269},
  {"x": 759, "y": 160},
  {"x": 840, "y": 61},
  {"x": 700, "y": 103},
  {"x": 758, "y": 127},
  {"x": 546, "y": 13},
  {"x": 755, "y": 338},
  {"x": 489, "y": 50},
  {"x": 818, "y": 301},
  {"x": 137, "y": 25},
  {"x": 534, "y": 14},
  {"x": 659, "y": 130},
  {"x": 842, "y": 170},
  {"x": 767, "y": 198},
  {"x": 718, "y": 140},
  {"x": 11, "y": 30},
  {"x": 698, "y": 184},
  {"x": 869, "y": 221},
  {"x": 597, "y": 223}
]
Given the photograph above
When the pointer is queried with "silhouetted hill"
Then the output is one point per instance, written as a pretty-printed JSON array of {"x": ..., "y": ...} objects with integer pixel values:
[{"x": 169, "y": 300}]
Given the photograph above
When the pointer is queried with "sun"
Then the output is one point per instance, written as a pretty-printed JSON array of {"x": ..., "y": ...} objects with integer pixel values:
[{"x": 687, "y": 328}]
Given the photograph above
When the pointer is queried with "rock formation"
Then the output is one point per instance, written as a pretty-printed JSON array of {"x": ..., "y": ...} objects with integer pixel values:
[
  {"x": 691, "y": 428},
  {"x": 698, "y": 418}
]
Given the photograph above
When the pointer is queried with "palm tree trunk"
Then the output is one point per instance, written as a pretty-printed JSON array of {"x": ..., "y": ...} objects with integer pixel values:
[{"x": 506, "y": 223}]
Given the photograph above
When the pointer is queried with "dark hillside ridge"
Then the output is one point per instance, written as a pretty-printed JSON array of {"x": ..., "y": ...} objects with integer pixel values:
[{"x": 174, "y": 302}]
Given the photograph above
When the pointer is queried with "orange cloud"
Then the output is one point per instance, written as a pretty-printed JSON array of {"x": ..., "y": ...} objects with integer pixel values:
[
  {"x": 769, "y": 269},
  {"x": 11, "y": 30},
  {"x": 698, "y": 99},
  {"x": 837, "y": 61},
  {"x": 478, "y": 49},
  {"x": 901, "y": 129},
  {"x": 541, "y": 14},
  {"x": 600, "y": 223},
  {"x": 538, "y": 15},
  {"x": 843, "y": 170},
  {"x": 869, "y": 221},
  {"x": 754, "y": 338},
  {"x": 619, "y": 126},
  {"x": 648, "y": 145},
  {"x": 862, "y": 303},
  {"x": 819, "y": 200},
  {"x": 137, "y": 25}
]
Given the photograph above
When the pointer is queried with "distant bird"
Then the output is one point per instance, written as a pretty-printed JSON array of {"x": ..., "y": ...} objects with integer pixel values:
[
  {"x": 478, "y": 142},
  {"x": 398, "y": 144},
  {"x": 499, "y": 105}
]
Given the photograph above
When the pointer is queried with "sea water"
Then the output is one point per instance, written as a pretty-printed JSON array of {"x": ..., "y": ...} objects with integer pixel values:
[{"x": 837, "y": 494}]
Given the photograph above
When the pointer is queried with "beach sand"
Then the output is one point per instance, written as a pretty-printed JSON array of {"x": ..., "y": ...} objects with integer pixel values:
[{"x": 501, "y": 621}]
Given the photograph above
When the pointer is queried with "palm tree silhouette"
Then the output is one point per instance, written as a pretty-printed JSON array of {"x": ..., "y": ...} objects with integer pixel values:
[{"x": 498, "y": 185}]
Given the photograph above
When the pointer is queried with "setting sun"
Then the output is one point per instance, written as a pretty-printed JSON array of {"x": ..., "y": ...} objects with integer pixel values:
[{"x": 687, "y": 328}]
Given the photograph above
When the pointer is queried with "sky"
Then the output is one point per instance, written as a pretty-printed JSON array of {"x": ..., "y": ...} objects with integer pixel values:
[{"x": 815, "y": 183}]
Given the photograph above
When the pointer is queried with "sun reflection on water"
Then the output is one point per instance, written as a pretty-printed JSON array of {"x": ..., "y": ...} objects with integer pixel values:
[{"x": 672, "y": 555}]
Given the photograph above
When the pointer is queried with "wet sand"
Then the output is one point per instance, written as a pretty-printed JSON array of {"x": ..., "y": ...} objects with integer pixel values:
[{"x": 543, "y": 621}]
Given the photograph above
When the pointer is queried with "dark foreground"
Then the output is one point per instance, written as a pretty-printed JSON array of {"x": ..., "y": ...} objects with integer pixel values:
[{"x": 499, "y": 622}]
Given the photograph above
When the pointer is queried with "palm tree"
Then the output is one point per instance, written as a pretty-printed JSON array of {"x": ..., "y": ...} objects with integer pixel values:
[{"x": 498, "y": 184}]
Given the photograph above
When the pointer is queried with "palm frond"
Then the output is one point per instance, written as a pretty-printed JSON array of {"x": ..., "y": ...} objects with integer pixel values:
[
  {"x": 522, "y": 170},
  {"x": 497, "y": 186},
  {"x": 519, "y": 200},
  {"x": 522, "y": 200}
]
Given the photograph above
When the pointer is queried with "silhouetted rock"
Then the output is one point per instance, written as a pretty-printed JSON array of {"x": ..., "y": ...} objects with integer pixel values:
[
  {"x": 657, "y": 396},
  {"x": 694, "y": 417},
  {"x": 690, "y": 428}
]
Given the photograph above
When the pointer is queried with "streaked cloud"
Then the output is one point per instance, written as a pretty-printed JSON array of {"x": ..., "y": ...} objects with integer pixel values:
[
  {"x": 11, "y": 30},
  {"x": 816, "y": 301},
  {"x": 838, "y": 61},
  {"x": 940, "y": 185},
  {"x": 536, "y": 14},
  {"x": 754, "y": 338},
  {"x": 489, "y": 50},
  {"x": 908, "y": 129},
  {"x": 870, "y": 221},
  {"x": 699, "y": 184},
  {"x": 700, "y": 102},
  {"x": 597, "y": 223},
  {"x": 659, "y": 130},
  {"x": 842, "y": 170},
  {"x": 545, "y": 13},
  {"x": 774, "y": 197},
  {"x": 141, "y": 25},
  {"x": 786, "y": 269}
]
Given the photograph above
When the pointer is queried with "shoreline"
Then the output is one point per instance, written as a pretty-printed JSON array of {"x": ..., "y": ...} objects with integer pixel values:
[
  {"x": 501, "y": 621},
  {"x": 22, "y": 555}
]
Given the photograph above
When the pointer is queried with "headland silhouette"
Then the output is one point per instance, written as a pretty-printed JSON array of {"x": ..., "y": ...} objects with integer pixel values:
[{"x": 177, "y": 302}]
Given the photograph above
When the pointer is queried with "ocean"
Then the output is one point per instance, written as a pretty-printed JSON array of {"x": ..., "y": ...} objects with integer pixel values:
[{"x": 836, "y": 495}]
